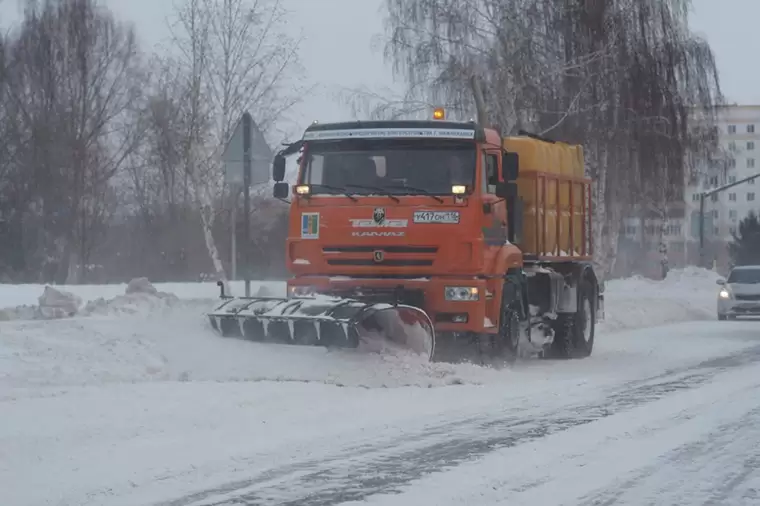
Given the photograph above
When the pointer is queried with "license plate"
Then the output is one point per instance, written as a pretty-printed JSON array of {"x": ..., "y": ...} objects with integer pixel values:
[{"x": 450, "y": 217}]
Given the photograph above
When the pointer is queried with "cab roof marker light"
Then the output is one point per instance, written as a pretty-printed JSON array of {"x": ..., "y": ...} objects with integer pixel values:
[
  {"x": 439, "y": 113},
  {"x": 458, "y": 189},
  {"x": 302, "y": 189},
  {"x": 390, "y": 133}
]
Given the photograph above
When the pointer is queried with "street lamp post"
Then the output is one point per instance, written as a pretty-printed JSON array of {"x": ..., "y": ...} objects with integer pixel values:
[{"x": 702, "y": 197}]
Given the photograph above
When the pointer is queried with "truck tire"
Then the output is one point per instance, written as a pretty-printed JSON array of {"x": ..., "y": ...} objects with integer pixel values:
[
  {"x": 507, "y": 341},
  {"x": 574, "y": 333}
]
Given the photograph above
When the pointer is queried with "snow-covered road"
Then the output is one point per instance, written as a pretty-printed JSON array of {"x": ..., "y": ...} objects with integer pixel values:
[{"x": 152, "y": 409}]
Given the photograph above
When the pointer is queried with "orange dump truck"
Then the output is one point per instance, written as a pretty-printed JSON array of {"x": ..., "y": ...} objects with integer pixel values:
[{"x": 432, "y": 235}]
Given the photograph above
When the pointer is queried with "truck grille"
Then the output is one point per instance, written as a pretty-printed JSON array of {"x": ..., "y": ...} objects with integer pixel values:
[
  {"x": 424, "y": 256},
  {"x": 410, "y": 262},
  {"x": 386, "y": 249}
]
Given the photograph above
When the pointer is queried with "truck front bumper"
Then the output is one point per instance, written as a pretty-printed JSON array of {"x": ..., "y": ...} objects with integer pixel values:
[{"x": 428, "y": 294}]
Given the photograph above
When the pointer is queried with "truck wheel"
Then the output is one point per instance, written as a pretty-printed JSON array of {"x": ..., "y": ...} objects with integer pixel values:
[
  {"x": 507, "y": 341},
  {"x": 574, "y": 333}
]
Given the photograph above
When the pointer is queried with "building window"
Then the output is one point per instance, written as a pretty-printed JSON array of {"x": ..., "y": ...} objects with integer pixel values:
[
  {"x": 750, "y": 145},
  {"x": 732, "y": 163},
  {"x": 750, "y": 163},
  {"x": 715, "y": 214},
  {"x": 751, "y": 181},
  {"x": 714, "y": 197},
  {"x": 695, "y": 197},
  {"x": 750, "y": 196},
  {"x": 732, "y": 146},
  {"x": 732, "y": 230},
  {"x": 732, "y": 129},
  {"x": 716, "y": 231},
  {"x": 732, "y": 214},
  {"x": 731, "y": 179},
  {"x": 714, "y": 181},
  {"x": 750, "y": 129},
  {"x": 732, "y": 197}
]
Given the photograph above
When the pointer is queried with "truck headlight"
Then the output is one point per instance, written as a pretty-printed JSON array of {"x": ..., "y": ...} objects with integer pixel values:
[
  {"x": 723, "y": 294},
  {"x": 461, "y": 293},
  {"x": 301, "y": 291}
]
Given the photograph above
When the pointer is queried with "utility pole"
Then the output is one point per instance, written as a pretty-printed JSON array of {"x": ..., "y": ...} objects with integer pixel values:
[{"x": 702, "y": 197}]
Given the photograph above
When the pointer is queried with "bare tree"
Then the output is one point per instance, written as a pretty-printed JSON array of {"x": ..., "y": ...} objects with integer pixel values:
[
  {"x": 621, "y": 77},
  {"x": 231, "y": 56},
  {"x": 71, "y": 80}
]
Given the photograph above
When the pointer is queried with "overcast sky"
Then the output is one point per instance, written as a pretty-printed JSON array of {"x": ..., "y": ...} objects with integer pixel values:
[{"x": 338, "y": 46}]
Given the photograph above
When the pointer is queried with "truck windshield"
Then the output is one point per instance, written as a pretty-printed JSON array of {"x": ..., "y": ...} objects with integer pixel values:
[{"x": 390, "y": 167}]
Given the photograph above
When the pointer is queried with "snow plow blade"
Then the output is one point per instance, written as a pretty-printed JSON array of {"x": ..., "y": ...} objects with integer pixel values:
[{"x": 325, "y": 321}]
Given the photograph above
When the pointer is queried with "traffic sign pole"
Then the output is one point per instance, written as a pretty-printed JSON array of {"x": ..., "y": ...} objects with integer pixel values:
[{"x": 247, "y": 120}]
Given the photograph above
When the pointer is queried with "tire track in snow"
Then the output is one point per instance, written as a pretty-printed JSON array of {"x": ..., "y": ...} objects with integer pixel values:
[
  {"x": 718, "y": 470},
  {"x": 383, "y": 468}
]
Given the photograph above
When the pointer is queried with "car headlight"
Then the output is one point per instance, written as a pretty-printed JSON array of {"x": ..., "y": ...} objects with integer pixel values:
[
  {"x": 461, "y": 293},
  {"x": 723, "y": 294}
]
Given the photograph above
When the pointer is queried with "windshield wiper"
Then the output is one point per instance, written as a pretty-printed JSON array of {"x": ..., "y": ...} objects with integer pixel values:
[
  {"x": 337, "y": 189},
  {"x": 417, "y": 190},
  {"x": 382, "y": 191}
]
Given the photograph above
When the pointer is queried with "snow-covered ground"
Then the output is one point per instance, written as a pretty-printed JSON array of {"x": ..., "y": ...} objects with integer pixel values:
[{"x": 148, "y": 406}]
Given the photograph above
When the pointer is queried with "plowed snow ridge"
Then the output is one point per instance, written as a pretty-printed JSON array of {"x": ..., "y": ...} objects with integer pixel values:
[{"x": 167, "y": 340}]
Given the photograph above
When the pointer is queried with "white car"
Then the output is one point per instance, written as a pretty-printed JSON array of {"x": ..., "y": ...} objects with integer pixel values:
[{"x": 740, "y": 293}]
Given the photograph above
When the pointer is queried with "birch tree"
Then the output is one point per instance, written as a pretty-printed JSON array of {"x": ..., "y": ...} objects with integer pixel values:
[
  {"x": 232, "y": 56},
  {"x": 620, "y": 77}
]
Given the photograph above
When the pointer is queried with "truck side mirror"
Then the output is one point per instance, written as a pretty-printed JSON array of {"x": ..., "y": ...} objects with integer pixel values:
[
  {"x": 281, "y": 190},
  {"x": 278, "y": 168},
  {"x": 506, "y": 190},
  {"x": 510, "y": 166}
]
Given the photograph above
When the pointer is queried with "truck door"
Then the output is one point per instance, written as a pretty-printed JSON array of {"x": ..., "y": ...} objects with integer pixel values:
[{"x": 494, "y": 208}]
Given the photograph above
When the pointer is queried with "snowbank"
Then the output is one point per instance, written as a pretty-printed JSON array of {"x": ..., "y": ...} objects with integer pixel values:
[
  {"x": 25, "y": 302},
  {"x": 19, "y": 295},
  {"x": 141, "y": 337},
  {"x": 685, "y": 295}
]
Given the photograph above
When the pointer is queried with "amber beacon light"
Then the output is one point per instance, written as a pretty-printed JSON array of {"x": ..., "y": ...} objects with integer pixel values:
[{"x": 439, "y": 113}]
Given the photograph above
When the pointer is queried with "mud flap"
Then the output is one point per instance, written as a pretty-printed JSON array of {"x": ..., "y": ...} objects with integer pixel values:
[{"x": 326, "y": 321}]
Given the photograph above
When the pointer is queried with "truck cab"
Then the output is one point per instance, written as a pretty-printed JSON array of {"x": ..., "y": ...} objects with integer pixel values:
[{"x": 427, "y": 214}]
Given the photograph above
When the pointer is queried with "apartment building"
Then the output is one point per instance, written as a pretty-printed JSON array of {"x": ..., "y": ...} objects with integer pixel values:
[
  {"x": 739, "y": 130},
  {"x": 739, "y": 136}
]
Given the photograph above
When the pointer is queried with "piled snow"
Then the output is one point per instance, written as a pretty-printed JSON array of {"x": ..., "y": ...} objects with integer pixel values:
[
  {"x": 159, "y": 336},
  {"x": 28, "y": 294},
  {"x": 24, "y": 302},
  {"x": 685, "y": 295}
]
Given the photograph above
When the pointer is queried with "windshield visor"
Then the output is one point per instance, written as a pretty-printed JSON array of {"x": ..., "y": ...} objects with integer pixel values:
[{"x": 396, "y": 167}]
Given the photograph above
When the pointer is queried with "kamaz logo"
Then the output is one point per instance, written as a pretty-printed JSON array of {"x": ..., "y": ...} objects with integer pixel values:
[{"x": 378, "y": 234}]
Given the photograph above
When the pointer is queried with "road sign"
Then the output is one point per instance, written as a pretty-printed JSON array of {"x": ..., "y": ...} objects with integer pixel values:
[{"x": 234, "y": 154}]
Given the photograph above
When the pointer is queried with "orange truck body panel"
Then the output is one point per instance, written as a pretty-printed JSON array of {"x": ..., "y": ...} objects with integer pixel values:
[{"x": 328, "y": 250}]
